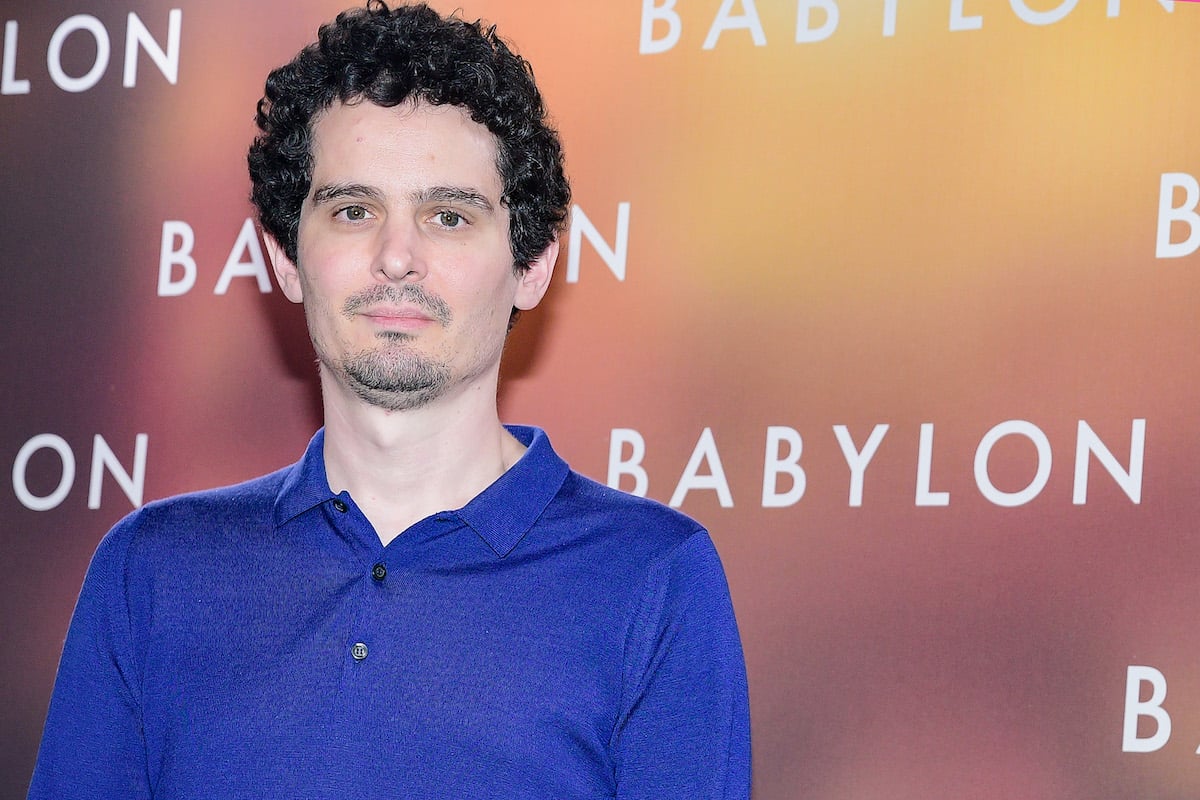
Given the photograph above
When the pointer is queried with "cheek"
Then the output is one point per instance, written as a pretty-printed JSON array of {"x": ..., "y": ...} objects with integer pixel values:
[
  {"x": 322, "y": 305},
  {"x": 498, "y": 303},
  {"x": 313, "y": 295},
  {"x": 322, "y": 272},
  {"x": 484, "y": 289}
]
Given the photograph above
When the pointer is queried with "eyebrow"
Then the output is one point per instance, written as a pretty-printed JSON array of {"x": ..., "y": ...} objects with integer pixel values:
[
  {"x": 339, "y": 191},
  {"x": 452, "y": 194},
  {"x": 434, "y": 194}
]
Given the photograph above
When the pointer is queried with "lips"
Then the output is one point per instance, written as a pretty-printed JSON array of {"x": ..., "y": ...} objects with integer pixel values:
[
  {"x": 393, "y": 318},
  {"x": 386, "y": 313},
  {"x": 409, "y": 302}
]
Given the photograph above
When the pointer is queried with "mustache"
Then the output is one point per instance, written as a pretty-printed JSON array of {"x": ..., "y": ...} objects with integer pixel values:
[{"x": 408, "y": 293}]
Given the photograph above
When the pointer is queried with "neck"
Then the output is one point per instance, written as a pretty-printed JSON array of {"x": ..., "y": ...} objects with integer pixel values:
[{"x": 402, "y": 466}]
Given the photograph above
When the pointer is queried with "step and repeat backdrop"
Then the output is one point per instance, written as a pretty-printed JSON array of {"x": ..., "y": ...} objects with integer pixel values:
[{"x": 901, "y": 298}]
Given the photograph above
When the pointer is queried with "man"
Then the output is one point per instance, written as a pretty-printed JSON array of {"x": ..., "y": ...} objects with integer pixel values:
[{"x": 428, "y": 604}]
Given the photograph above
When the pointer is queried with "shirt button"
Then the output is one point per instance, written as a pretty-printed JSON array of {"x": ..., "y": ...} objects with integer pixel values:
[
  {"x": 379, "y": 572},
  {"x": 340, "y": 506},
  {"x": 359, "y": 651}
]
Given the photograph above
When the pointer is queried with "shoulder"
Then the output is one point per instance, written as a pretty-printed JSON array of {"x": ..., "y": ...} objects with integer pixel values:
[
  {"x": 249, "y": 496},
  {"x": 641, "y": 535},
  {"x": 627, "y": 533},
  {"x": 185, "y": 517},
  {"x": 593, "y": 504}
]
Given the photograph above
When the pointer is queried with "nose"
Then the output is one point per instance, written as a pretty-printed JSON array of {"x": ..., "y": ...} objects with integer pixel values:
[{"x": 400, "y": 256}]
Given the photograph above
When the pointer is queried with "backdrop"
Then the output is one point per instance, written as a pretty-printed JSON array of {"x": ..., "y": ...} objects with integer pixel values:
[{"x": 898, "y": 297}]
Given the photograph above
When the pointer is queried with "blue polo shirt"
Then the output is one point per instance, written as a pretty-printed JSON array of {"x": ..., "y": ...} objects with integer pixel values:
[{"x": 553, "y": 638}]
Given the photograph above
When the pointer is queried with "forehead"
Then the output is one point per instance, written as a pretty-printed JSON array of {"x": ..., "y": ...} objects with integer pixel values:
[{"x": 410, "y": 146}]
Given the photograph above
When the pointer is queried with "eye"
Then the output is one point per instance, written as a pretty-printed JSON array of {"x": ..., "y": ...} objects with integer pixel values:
[
  {"x": 353, "y": 214},
  {"x": 449, "y": 219}
]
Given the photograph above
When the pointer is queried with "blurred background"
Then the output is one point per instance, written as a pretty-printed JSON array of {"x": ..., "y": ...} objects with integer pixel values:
[{"x": 898, "y": 298}]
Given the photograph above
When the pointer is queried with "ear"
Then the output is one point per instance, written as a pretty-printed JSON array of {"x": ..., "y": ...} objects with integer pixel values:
[
  {"x": 286, "y": 272},
  {"x": 534, "y": 281}
]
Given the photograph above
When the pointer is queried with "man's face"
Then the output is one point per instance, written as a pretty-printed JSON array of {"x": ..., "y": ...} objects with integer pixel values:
[{"x": 405, "y": 268}]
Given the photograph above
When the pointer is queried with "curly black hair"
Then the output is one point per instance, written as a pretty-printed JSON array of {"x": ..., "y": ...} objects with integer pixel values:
[{"x": 388, "y": 56}]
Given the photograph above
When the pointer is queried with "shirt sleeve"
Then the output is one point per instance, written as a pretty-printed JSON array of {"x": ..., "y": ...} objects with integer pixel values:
[
  {"x": 684, "y": 730},
  {"x": 92, "y": 745}
]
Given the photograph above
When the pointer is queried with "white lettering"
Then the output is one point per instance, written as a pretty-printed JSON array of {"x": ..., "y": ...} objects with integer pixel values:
[
  {"x": 614, "y": 257},
  {"x": 618, "y": 465},
  {"x": 1135, "y": 676},
  {"x": 705, "y": 450},
  {"x": 959, "y": 22},
  {"x": 858, "y": 460},
  {"x": 169, "y": 256},
  {"x": 889, "y": 17},
  {"x": 748, "y": 20},
  {"x": 775, "y": 464},
  {"x": 41, "y": 442},
  {"x": 79, "y": 22},
  {"x": 651, "y": 13},
  {"x": 785, "y": 480},
  {"x": 1169, "y": 213},
  {"x": 167, "y": 61},
  {"x": 1130, "y": 481},
  {"x": 804, "y": 30},
  {"x": 924, "y": 468},
  {"x": 103, "y": 458},
  {"x": 131, "y": 482},
  {"x": 9, "y": 83},
  {"x": 1027, "y": 14},
  {"x": 1114, "y": 6},
  {"x": 235, "y": 267},
  {"x": 1014, "y": 427}
]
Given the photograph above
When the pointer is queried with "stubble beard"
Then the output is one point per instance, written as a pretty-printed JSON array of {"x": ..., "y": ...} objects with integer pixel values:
[{"x": 393, "y": 377}]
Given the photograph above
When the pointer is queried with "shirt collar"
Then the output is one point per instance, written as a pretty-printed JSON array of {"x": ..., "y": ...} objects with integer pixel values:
[
  {"x": 505, "y": 511},
  {"x": 305, "y": 485},
  {"x": 501, "y": 514}
]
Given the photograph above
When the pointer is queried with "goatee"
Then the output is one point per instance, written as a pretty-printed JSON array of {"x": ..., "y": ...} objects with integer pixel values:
[{"x": 393, "y": 376}]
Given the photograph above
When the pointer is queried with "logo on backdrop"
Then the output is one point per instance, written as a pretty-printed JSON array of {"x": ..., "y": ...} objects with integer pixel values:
[
  {"x": 53, "y": 455},
  {"x": 614, "y": 256},
  {"x": 1175, "y": 218},
  {"x": 1157, "y": 721},
  {"x": 178, "y": 271},
  {"x": 784, "y": 480},
  {"x": 816, "y": 20},
  {"x": 138, "y": 39}
]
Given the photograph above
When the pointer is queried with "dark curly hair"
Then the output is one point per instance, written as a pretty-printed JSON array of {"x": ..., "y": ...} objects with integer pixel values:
[{"x": 387, "y": 56}]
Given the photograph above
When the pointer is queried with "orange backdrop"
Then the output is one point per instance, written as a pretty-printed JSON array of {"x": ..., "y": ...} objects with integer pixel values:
[{"x": 796, "y": 222}]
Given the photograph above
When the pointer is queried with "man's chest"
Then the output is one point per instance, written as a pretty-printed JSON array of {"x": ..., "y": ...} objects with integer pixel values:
[{"x": 469, "y": 677}]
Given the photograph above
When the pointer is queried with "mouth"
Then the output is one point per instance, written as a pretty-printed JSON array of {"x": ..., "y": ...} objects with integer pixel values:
[
  {"x": 397, "y": 318},
  {"x": 403, "y": 307}
]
